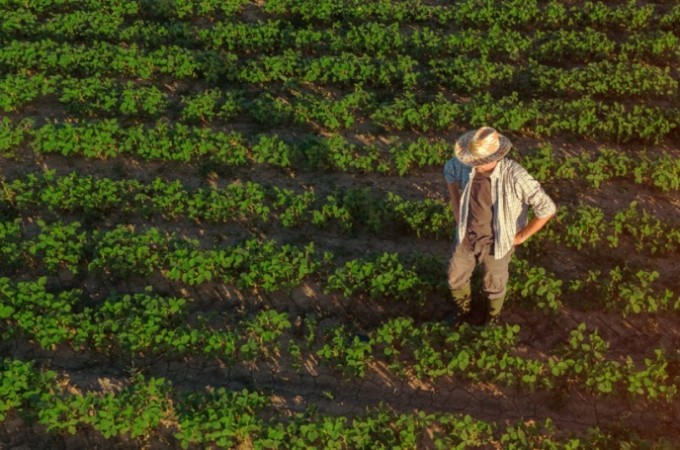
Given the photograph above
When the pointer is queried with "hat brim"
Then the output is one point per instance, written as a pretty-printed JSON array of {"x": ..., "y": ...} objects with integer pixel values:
[{"x": 462, "y": 150}]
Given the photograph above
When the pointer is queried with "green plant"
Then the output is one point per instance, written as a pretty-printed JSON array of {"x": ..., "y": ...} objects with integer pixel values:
[
  {"x": 347, "y": 352},
  {"x": 20, "y": 384},
  {"x": 536, "y": 285},
  {"x": 383, "y": 276},
  {"x": 10, "y": 248},
  {"x": 59, "y": 246},
  {"x": 123, "y": 252},
  {"x": 220, "y": 417}
]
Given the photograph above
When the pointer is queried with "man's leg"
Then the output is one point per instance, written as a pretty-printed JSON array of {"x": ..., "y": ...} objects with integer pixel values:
[
  {"x": 496, "y": 275},
  {"x": 461, "y": 266}
]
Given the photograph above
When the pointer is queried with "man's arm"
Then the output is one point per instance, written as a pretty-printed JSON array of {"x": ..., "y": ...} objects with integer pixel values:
[
  {"x": 454, "y": 199},
  {"x": 532, "y": 227},
  {"x": 543, "y": 206}
]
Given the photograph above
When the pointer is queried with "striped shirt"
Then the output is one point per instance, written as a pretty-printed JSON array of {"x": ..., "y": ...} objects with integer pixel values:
[{"x": 513, "y": 190}]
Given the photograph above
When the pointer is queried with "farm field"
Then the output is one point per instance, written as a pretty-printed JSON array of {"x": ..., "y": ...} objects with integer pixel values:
[{"x": 224, "y": 224}]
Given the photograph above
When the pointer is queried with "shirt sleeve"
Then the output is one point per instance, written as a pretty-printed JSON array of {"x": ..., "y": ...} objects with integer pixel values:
[
  {"x": 533, "y": 195},
  {"x": 452, "y": 171}
]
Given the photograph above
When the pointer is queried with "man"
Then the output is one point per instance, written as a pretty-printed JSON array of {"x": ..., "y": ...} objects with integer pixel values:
[{"x": 490, "y": 196}]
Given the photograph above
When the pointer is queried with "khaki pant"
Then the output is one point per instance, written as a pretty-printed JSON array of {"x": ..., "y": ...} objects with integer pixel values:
[{"x": 463, "y": 261}]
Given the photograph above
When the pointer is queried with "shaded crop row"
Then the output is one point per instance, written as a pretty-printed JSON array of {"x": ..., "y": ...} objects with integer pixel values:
[
  {"x": 147, "y": 406},
  {"x": 145, "y": 326},
  {"x": 98, "y": 96},
  {"x": 83, "y": 19},
  {"x": 125, "y": 253},
  {"x": 349, "y": 210},
  {"x": 184, "y": 143}
]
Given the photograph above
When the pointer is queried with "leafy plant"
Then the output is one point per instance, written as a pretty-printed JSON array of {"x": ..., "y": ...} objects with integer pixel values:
[{"x": 59, "y": 246}]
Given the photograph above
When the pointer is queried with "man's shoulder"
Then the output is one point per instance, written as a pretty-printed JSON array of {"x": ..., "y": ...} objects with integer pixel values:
[
  {"x": 514, "y": 174},
  {"x": 454, "y": 163},
  {"x": 512, "y": 168},
  {"x": 455, "y": 171},
  {"x": 510, "y": 164}
]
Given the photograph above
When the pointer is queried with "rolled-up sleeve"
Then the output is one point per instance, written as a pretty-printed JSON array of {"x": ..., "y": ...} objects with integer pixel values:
[{"x": 533, "y": 195}]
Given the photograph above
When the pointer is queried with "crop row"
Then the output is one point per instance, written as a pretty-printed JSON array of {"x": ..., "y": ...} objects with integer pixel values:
[
  {"x": 263, "y": 265},
  {"x": 349, "y": 209},
  {"x": 185, "y": 143},
  {"x": 249, "y": 202},
  {"x": 513, "y": 14},
  {"x": 145, "y": 326},
  {"x": 83, "y": 19},
  {"x": 229, "y": 419},
  {"x": 97, "y": 95},
  {"x": 586, "y": 226},
  {"x": 661, "y": 171},
  {"x": 267, "y": 266},
  {"x": 586, "y": 117},
  {"x": 624, "y": 77},
  {"x": 494, "y": 43},
  {"x": 276, "y": 36},
  {"x": 622, "y": 289}
]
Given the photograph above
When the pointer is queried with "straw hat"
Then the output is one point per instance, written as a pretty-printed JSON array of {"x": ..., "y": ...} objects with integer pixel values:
[{"x": 482, "y": 146}]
